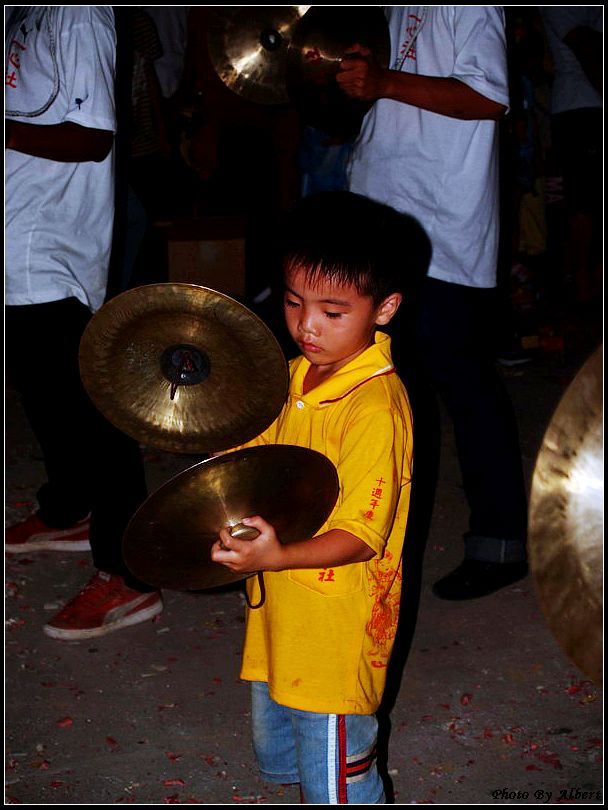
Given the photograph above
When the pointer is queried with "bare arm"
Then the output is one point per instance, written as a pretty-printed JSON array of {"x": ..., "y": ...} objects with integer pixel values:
[
  {"x": 65, "y": 143},
  {"x": 362, "y": 78},
  {"x": 267, "y": 553}
]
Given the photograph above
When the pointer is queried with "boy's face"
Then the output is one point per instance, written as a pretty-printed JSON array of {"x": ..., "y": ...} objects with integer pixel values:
[{"x": 332, "y": 324}]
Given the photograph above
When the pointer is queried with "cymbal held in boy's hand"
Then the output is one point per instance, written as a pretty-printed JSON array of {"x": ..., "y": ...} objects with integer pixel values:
[{"x": 168, "y": 542}]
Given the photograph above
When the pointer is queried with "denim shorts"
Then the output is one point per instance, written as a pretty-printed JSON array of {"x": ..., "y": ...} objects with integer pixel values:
[{"x": 331, "y": 756}]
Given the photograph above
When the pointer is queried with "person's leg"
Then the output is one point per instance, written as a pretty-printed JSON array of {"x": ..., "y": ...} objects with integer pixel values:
[
  {"x": 92, "y": 467},
  {"x": 273, "y": 740},
  {"x": 456, "y": 333},
  {"x": 332, "y": 757},
  {"x": 41, "y": 354},
  {"x": 337, "y": 758}
]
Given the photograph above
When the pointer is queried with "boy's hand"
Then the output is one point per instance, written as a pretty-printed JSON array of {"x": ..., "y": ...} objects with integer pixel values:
[{"x": 264, "y": 553}]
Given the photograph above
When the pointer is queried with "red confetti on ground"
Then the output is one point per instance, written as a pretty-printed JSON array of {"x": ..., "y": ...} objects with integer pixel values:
[
  {"x": 487, "y": 733},
  {"x": 579, "y": 686},
  {"x": 57, "y": 783},
  {"x": 174, "y": 799},
  {"x": 172, "y": 782},
  {"x": 533, "y": 768},
  {"x": 112, "y": 742},
  {"x": 551, "y": 759},
  {"x": 508, "y": 738},
  {"x": 466, "y": 699},
  {"x": 172, "y": 757},
  {"x": 44, "y": 765},
  {"x": 65, "y": 722}
]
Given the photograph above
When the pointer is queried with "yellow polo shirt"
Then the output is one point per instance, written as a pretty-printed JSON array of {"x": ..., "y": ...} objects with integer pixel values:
[{"x": 323, "y": 638}]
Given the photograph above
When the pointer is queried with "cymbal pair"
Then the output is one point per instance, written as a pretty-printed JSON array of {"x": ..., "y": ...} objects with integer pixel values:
[{"x": 187, "y": 369}]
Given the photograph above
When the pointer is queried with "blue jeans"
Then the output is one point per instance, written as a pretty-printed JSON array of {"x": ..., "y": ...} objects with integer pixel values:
[{"x": 331, "y": 756}]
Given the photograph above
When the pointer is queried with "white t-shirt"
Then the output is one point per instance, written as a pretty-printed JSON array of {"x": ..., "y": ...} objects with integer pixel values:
[
  {"x": 60, "y": 64},
  {"x": 571, "y": 89},
  {"x": 441, "y": 170}
]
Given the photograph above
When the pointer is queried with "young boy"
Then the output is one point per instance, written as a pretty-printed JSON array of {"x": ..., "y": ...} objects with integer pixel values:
[{"x": 318, "y": 648}]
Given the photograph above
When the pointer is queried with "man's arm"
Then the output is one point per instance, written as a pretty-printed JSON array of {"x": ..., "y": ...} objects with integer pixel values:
[
  {"x": 65, "y": 143},
  {"x": 364, "y": 79},
  {"x": 266, "y": 553}
]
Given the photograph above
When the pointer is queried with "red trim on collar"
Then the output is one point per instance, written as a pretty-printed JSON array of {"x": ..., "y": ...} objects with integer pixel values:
[{"x": 358, "y": 385}]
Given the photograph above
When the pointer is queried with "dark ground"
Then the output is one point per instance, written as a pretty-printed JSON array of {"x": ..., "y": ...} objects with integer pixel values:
[{"x": 489, "y": 711}]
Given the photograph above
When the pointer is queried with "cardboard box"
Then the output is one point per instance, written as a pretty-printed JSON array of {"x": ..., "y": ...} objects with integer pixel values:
[{"x": 209, "y": 251}]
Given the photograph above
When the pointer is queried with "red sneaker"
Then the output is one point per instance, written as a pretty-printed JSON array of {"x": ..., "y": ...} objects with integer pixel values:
[
  {"x": 34, "y": 535},
  {"x": 103, "y": 605}
]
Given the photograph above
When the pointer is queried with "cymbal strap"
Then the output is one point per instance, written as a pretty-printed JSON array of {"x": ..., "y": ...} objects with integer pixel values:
[{"x": 260, "y": 576}]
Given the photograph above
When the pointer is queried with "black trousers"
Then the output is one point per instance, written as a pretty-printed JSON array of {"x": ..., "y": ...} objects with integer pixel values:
[
  {"x": 91, "y": 466},
  {"x": 448, "y": 349}
]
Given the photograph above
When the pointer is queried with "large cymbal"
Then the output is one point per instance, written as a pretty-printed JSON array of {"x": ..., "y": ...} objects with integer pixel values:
[
  {"x": 169, "y": 539},
  {"x": 566, "y": 520},
  {"x": 318, "y": 45},
  {"x": 183, "y": 368},
  {"x": 248, "y": 49}
]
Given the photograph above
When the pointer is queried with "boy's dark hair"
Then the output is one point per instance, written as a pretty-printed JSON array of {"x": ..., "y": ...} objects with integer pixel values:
[{"x": 353, "y": 240}]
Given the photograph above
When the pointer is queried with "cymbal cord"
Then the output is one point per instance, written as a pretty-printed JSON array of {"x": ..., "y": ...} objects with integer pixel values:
[
  {"x": 186, "y": 364},
  {"x": 260, "y": 576}
]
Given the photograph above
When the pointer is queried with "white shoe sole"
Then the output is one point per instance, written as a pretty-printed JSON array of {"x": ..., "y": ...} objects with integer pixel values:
[
  {"x": 48, "y": 545},
  {"x": 92, "y": 632}
]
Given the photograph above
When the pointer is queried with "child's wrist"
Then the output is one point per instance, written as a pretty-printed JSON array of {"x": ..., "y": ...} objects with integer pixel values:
[{"x": 280, "y": 558}]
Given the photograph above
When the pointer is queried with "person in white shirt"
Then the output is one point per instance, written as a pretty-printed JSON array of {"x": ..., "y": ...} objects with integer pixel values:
[
  {"x": 428, "y": 147},
  {"x": 59, "y": 211}
]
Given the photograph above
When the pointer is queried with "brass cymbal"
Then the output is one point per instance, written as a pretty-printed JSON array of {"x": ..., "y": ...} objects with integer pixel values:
[
  {"x": 248, "y": 49},
  {"x": 566, "y": 520},
  {"x": 318, "y": 45},
  {"x": 183, "y": 368},
  {"x": 169, "y": 539}
]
